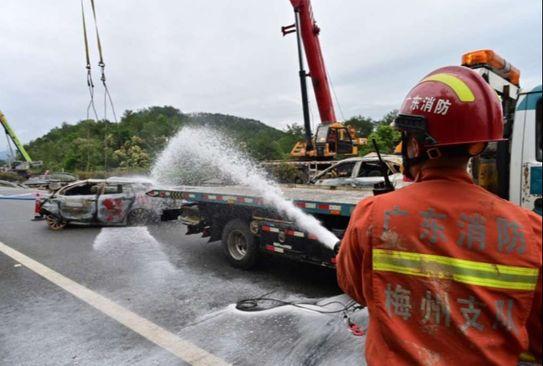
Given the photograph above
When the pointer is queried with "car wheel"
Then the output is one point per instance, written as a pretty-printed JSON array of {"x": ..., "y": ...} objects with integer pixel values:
[
  {"x": 141, "y": 217},
  {"x": 239, "y": 244},
  {"x": 55, "y": 223}
]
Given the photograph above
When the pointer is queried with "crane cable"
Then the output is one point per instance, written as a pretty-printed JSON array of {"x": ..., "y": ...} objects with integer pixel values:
[
  {"x": 335, "y": 97},
  {"x": 102, "y": 65},
  {"x": 12, "y": 156},
  {"x": 90, "y": 83}
]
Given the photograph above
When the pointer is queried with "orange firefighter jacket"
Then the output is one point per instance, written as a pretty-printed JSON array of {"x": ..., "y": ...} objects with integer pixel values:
[{"x": 451, "y": 274}]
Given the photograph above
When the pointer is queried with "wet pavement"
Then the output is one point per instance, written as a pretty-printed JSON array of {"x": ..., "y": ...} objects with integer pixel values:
[{"x": 180, "y": 283}]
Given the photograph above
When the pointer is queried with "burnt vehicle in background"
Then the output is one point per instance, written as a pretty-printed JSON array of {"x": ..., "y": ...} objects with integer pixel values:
[
  {"x": 105, "y": 202},
  {"x": 361, "y": 172},
  {"x": 9, "y": 184},
  {"x": 50, "y": 181}
]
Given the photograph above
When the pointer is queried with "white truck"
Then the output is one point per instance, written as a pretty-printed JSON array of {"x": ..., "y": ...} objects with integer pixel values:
[{"x": 512, "y": 168}]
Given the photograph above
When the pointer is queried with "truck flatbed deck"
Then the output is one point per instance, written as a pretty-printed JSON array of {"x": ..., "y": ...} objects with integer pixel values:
[
  {"x": 312, "y": 200},
  {"x": 248, "y": 225}
]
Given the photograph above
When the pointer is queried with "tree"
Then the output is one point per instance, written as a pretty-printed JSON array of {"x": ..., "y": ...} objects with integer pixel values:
[
  {"x": 132, "y": 155},
  {"x": 386, "y": 138},
  {"x": 261, "y": 148},
  {"x": 293, "y": 134},
  {"x": 363, "y": 125},
  {"x": 389, "y": 118},
  {"x": 296, "y": 131}
]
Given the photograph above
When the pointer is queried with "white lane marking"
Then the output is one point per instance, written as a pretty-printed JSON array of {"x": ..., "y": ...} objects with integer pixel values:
[{"x": 185, "y": 350}]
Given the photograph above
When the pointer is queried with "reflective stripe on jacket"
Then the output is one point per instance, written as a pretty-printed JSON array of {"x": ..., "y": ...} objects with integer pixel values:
[{"x": 451, "y": 274}]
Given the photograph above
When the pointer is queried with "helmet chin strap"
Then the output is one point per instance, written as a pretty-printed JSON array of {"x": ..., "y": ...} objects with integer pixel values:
[{"x": 407, "y": 162}]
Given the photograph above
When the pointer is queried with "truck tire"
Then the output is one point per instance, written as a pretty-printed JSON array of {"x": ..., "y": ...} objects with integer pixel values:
[{"x": 239, "y": 244}]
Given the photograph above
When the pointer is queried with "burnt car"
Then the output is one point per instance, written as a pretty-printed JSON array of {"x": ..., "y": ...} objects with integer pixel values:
[
  {"x": 361, "y": 172},
  {"x": 50, "y": 181},
  {"x": 105, "y": 202}
]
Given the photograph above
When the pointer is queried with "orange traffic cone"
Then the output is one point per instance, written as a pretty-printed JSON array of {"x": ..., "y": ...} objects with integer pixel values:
[{"x": 37, "y": 209}]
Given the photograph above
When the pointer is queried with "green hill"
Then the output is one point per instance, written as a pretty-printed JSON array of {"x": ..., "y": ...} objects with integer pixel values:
[
  {"x": 139, "y": 136},
  {"x": 133, "y": 143}
]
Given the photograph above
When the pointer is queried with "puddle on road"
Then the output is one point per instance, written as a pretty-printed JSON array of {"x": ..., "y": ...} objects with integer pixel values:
[
  {"x": 135, "y": 245},
  {"x": 284, "y": 335},
  {"x": 186, "y": 300}
]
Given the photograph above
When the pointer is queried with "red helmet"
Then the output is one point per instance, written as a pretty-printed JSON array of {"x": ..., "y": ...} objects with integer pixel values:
[{"x": 452, "y": 105}]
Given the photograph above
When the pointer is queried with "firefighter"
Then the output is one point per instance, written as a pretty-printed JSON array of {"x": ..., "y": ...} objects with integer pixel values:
[{"x": 450, "y": 273}]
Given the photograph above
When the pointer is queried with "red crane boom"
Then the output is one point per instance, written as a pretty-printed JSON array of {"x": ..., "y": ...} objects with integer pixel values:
[
  {"x": 332, "y": 138},
  {"x": 309, "y": 32}
]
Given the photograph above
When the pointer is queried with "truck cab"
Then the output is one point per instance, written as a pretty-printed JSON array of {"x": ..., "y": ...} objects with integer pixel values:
[
  {"x": 526, "y": 151},
  {"x": 511, "y": 168}
]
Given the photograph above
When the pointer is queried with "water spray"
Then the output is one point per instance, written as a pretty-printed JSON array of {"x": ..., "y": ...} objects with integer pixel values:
[{"x": 199, "y": 153}]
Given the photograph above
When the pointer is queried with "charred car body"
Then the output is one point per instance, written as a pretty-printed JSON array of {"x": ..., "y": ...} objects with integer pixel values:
[
  {"x": 360, "y": 172},
  {"x": 50, "y": 181},
  {"x": 105, "y": 202}
]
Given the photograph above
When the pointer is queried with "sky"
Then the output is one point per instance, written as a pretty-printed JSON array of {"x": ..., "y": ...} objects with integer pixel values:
[{"x": 228, "y": 56}]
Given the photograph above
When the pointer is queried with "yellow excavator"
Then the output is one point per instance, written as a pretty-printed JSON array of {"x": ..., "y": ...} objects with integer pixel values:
[{"x": 20, "y": 167}]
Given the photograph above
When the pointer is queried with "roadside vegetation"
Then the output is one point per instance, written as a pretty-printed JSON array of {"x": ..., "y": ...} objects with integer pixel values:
[{"x": 92, "y": 148}]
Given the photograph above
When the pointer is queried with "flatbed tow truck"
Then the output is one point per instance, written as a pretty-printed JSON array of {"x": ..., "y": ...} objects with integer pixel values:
[{"x": 247, "y": 226}]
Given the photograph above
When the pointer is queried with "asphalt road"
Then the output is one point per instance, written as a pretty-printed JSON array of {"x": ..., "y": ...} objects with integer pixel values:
[{"x": 179, "y": 283}]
